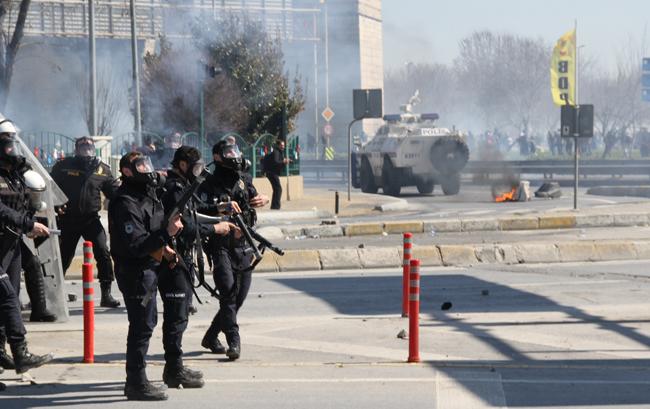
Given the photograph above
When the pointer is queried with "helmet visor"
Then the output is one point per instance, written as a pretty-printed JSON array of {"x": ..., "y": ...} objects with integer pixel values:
[
  {"x": 231, "y": 152},
  {"x": 85, "y": 149},
  {"x": 143, "y": 165},
  {"x": 9, "y": 148}
]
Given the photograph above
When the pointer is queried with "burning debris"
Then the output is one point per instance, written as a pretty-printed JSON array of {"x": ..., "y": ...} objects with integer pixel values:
[{"x": 511, "y": 191}]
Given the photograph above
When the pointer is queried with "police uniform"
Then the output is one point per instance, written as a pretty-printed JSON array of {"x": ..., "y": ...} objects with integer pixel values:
[
  {"x": 15, "y": 220},
  {"x": 175, "y": 284},
  {"x": 83, "y": 179},
  {"x": 136, "y": 230},
  {"x": 229, "y": 256}
]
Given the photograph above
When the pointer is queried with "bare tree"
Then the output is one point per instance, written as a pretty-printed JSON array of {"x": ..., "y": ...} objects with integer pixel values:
[
  {"x": 506, "y": 77},
  {"x": 110, "y": 100},
  {"x": 10, "y": 43}
]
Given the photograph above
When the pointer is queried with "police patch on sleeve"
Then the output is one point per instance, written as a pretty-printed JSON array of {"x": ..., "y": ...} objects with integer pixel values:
[{"x": 128, "y": 228}]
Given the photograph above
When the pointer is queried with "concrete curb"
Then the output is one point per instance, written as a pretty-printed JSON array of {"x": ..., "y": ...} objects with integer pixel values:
[
  {"x": 450, "y": 255},
  {"x": 540, "y": 222}
]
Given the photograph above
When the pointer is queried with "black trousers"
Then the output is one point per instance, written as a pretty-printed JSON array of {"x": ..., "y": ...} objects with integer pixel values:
[
  {"x": 233, "y": 285},
  {"x": 91, "y": 229},
  {"x": 134, "y": 285},
  {"x": 175, "y": 291},
  {"x": 12, "y": 329},
  {"x": 277, "y": 190}
]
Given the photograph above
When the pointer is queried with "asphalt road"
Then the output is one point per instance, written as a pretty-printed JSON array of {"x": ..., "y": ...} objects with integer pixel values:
[
  {"x": 538, "y": 336},
  {"x": 476, "y": 201}
]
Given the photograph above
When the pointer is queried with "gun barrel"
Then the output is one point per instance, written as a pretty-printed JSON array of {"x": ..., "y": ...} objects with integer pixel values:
[{"x": 55, "y": 232}]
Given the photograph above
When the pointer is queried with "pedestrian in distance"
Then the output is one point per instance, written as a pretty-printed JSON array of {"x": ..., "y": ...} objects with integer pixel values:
[
  {"x": 139, "y": 235},
  {"x": 274, "y": 162},
  {"x": 83, "y": 178},
  {"x": 15, "y": 220}
]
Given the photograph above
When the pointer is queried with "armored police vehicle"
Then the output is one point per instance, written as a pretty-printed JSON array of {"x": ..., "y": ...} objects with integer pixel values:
[{"x": 410, "y": 150}]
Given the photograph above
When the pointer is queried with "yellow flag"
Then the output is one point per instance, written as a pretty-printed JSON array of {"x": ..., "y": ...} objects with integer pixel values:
[{"x": 563, "y": 73}]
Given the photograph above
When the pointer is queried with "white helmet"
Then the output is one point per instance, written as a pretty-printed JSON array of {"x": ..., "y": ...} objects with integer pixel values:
[
  {"x": 35, "y": 185},
  {"x": 6, "y": 126}
]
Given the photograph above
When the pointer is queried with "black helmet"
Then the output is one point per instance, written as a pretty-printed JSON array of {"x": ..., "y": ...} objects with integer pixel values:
[
  {"x": 230, "y": 154},
  {"x": 141, "y": 168},
  {"x": 192, "y": 156},
  {"x": 84, "y": 147}
]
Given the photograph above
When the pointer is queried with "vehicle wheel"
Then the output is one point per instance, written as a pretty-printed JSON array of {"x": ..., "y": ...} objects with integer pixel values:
[
  {"x": 367, "y": 178},
  {"x": 390, "y": 179},
  {"x": 425, "y": 187},
  {"x": 450, "y": 184},
  {"x": 449, "y": 155}
]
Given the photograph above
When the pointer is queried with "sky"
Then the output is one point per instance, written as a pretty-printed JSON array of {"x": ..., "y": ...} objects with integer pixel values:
[{"x": 429, "y": 30}]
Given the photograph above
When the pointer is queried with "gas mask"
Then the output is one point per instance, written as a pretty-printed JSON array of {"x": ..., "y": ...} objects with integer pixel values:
[
  {"x": 231, "y": 157},
  {"x": 85, "y": 149},
  {"x": 35, "y": 185},
  {"x": 10, "y": 152},
  {"x": 195, "y": 170},
  {"x": 143, "y": 172}
]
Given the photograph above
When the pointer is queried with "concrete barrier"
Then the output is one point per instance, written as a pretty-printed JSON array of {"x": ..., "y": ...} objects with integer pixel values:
[
  {"x": 299, "y": 260},
  {"x": 631, "y": 219},
  {"x": 642, "y": 249},
  {"x": 458, "y": 255},
  {"x": 479, "y": 224},
  {"x": 578, "y": 251},
  {"x": 443, "y": 225},
  {"x": 332, "y": 259},
  {"x": 594, "y": 220},
  {"x": 373, "y": 257},
  {"x": 403, "y": 227},
  {"x": 324, "y": 231},
  {"x": 269, "y": 264},
  {"x": 428, "y": 255},
  {"x": 615, "y": 250},
  {"x": 361, "y": 229},
  {"x": 536, "y": 253},
  {"x": 508, "y": 253},
  {"x": 519, "y": 223},
  {"x": 557, "y": 222}
]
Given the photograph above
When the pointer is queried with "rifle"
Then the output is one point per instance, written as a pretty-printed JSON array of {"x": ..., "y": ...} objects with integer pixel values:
[
  {"x": 178, "y": 209},
  {"x": 250, "y": 235}
]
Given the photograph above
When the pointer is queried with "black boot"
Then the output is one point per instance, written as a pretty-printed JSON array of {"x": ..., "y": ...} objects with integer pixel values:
[
  {"x": 25, "y": 360},
  {"x": 181, "y": 376},
  {"x": 35, "y": 285},
  {"x": 144, "y": 391},
  {"x": 107, "y": 299},
  {"x": 234, "y": 350},
  {"x": 213, "y": 344},
  {"x": 6, "y": 361}
]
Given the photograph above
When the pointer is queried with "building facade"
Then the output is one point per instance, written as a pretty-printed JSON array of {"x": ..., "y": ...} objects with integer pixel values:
[{"x": 334, "y": 46}]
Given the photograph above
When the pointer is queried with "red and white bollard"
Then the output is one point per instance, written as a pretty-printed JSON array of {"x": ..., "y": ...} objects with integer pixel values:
[
  {"x": 414, "y": 311},
  {"x": 89, "y": 304},
  {"x": 408, "y": 245}
]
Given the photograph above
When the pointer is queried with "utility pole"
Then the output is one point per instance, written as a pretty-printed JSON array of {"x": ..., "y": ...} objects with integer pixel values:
[
  {"x": 93, "y": 68},
  {"x": 136, "y": 75}
]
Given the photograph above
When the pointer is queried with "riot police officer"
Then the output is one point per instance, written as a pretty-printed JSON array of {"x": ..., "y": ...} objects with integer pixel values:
[
  {"x": 230, "y": 259},
  {"x": 139, "y": 236},
  {"x": 15, "y": 221},
  {"x": 175, "y": 284},
  {"x": 83, "y": 178}
]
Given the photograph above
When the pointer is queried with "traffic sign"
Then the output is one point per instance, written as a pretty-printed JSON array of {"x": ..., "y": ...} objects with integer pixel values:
[
  {"x": 328, "y": 129},
  {"x": 328, "y": 114}
]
